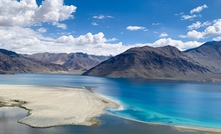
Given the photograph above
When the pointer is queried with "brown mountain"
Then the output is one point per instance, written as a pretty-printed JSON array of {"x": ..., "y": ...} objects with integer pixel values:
[
  {"x": 208, "y": 55},
  {"x": 149, "y": 62},
  {"x": 11, "y": 62},
  {"x": 72, "y": 61}
]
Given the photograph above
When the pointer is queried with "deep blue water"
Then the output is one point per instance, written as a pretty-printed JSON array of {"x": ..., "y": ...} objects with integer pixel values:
[{"x": 164, "y": 102}]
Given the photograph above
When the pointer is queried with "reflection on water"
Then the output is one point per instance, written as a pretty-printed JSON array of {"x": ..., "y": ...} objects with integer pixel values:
[
  {"x": 8, "y": 123},
  {"x": 110, "y": 125}
]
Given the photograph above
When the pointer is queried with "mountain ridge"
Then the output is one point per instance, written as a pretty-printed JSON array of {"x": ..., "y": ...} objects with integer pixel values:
[
  {"x": 140, "y": 62},
  {"x": 208, "y": 54},
  {"x": 148, "y": 62},
  {"x": 72, "y": 61},
  {"x": 11, "y": 62}
]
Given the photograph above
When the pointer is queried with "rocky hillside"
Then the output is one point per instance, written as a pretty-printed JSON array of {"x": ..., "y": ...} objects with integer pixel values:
[
  {"x": 72, "y": 61},
  {"x": 149, "y": 62},
  {"x": 11, "y": 62},
  {"x": 208, "y": 54}
]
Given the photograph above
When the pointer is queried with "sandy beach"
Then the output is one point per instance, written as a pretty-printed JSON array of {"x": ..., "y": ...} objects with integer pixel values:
[{"x": 55, "y": 106}]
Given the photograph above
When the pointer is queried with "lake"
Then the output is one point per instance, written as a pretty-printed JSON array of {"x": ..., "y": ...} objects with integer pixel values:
[{"x": 162, "y": 102}]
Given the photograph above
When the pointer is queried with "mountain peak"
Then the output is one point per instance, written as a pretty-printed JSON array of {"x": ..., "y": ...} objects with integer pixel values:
[
  {"x": 9, "y": 53},
  {"x": 148, "y": 62}
]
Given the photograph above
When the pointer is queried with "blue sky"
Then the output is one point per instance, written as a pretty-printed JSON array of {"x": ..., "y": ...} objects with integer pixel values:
[{"x": 106, "y": 27}]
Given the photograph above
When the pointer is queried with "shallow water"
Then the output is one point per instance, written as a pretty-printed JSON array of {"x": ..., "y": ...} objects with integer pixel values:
[
  {"x": 164, "y": 102},
  {"x": 110, "y": 125}
]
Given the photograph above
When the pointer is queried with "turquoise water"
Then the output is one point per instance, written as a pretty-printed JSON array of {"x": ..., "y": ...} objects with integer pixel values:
[{"x": 164, "y": 102}]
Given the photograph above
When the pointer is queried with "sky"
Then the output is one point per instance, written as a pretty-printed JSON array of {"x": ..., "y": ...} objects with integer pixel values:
[{"x": 106, "y": 27}]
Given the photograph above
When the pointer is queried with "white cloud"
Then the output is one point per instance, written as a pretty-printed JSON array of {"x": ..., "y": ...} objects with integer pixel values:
[
  {"x": 217, "y": 38},
  {"x": 198, "y": 9},
  {"x": 163, "y": 35},
  {"x": 207, "y": 23},
  {"x": 198, "y": 25},
  {"x": 42, "y": 30},
  {"x": 187, "y": 17},
  {"x": 195, "y": 35},
  {"x": 135, "y": 28},
  {"x": 27, "y": 12},
  {"x": 112, "y": 40},
  {"x": 59, "y": 25},
  {"x": 192, "y": 16},
  {"x": 100, "y": 17},
  {"x": 176, "y": 43},
  {"x": 213, "y": 30},
  {"x": 94, "y": 24},
  {"x": 30, "y": 41},
  {"x": 182, "y": 46}
]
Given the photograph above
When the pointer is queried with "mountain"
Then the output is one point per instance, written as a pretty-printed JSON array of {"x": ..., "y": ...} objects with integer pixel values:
[
  {"x": 72, "y": 61},
  {"x": 208, "y": 55},
  {"x": 149, "y": 62},
  {"x": 11, "y": 62}
]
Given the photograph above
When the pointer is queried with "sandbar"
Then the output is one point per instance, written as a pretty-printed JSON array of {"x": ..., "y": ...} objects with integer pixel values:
[{"x": 55, "y": 106}]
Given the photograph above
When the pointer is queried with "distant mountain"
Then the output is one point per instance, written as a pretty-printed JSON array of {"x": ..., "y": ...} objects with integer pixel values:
[
  {"x": 11, "y": 62},
  {"x": 149, "y": 62},
  {"x": 208, "y": 55},
  {"x": 72, "y": 61}
]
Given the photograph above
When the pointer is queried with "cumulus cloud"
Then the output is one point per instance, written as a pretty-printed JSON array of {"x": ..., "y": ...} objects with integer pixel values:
[
  {"x": 198, "y": 25},
  {"x": 198, "y": 9},
  {"x": 27, "y": 12},
  {"x": 195, "y": 35},
  {"x": 30, "y": 41},
  {"x": 135, "y": 28},
  {"x": 100, "y": 17},
  {"x": 176, "y": 43},
  {"x": 163, "y": 35},
  {"x": 217, "y": 38},
  {"x": 213, "y": 30}
]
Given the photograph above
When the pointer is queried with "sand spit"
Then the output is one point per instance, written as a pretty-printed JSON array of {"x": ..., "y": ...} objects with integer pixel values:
[{"x": 55, "y": 106}]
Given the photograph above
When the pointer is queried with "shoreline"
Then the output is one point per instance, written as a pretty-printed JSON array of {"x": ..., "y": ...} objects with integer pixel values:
[
  {"x": 93, "y": 120},
  {"x": 205, "y": 78},
  {"x": 179, "y": 128},
  {"x": 54, "y": 109},
  {"x": 176, "y": 127}
]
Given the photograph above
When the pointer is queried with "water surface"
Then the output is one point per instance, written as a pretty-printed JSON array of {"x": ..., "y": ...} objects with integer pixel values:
[
  {"x": 164, "y": 102},
  {"x": 110, "y": 125}
]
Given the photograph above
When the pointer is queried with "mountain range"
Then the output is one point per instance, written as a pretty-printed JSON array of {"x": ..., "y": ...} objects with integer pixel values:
[
  {"x": 140, "y": 62},
  {"x": 162, "y": 62},
  {"x": 11, "y": 62},
  {"x": 72, "y": 61}
]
